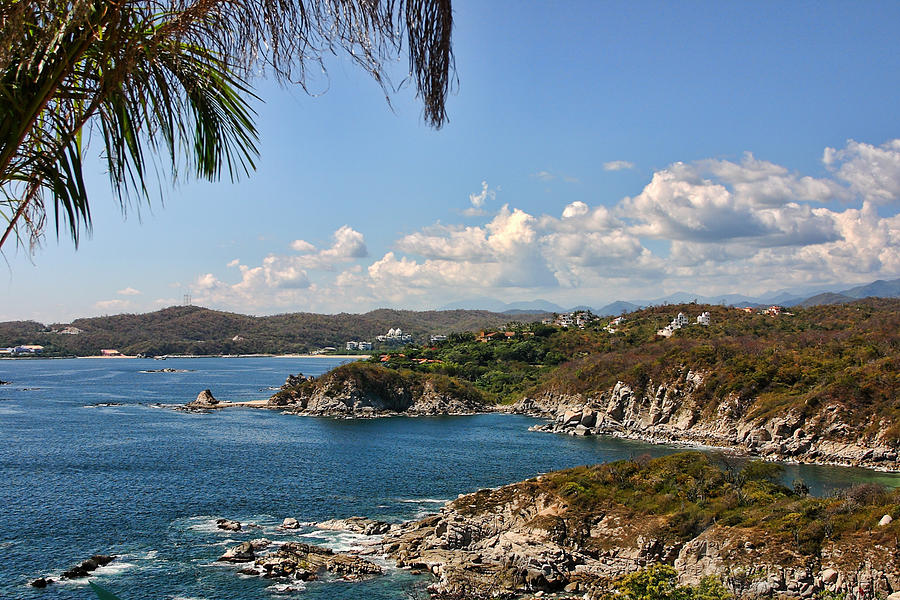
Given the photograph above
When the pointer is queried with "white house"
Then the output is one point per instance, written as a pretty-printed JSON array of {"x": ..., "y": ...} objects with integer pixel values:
[{"x": 703, "y": 319}]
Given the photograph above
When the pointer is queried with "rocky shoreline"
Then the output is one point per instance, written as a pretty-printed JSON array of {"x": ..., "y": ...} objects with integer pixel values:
[
  {"x": 669, "y": 413},
  {"x": 520, "y": 539},
  {"x": 537, "y": 537}
]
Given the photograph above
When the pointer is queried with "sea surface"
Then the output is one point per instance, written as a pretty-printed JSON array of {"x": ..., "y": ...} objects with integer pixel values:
[{"x": 146, "y": 482}]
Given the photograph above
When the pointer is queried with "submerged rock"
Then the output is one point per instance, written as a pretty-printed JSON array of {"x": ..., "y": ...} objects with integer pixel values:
[{"x": 41, "y": 582}]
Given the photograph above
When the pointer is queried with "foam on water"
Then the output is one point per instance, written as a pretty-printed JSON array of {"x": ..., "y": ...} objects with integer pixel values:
[{"x": 282, "y": 589}]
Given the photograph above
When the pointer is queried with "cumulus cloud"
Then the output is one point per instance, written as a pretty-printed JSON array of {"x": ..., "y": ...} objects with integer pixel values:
[
  {"x": 302, "y": 246},
  {"x": 618, "y": 165},
  {"x": 129, "y": 291},
  {"x": 715, "y": 201},
  {"x": 710, "y": 226},
  {"x": 873, "y": 172}
]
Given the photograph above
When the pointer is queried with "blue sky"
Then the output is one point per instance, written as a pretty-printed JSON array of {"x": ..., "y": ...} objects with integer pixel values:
[{"x": 595, "y": 151}]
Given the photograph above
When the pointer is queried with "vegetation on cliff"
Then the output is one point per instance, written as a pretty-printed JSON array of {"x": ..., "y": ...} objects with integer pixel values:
[
  {"x": 845, "y": 357},
  {"x": 394, "y": 387},
  {"x": 715, "y": 527},
  {"x": 688, "y": 493}
]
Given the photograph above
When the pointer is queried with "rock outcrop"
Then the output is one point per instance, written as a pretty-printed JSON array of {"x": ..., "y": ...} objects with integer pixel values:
[
  {"x": 366, "y": 391},
  {"x": 205, "y": 401},
  {"x": 672, "y": 412},
  {"x": 228, "y": 525},
  {"x": 522, "y": 538},
  {"x": 88, "y": 566},
  {"x": 360, "y": 525},
  {"x": 304, "y": 562}
]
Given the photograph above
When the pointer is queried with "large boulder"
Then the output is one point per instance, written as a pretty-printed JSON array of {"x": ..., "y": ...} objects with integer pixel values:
[
  {"x": 241, "y": 553},
  {"x": 290, "y": 523},
  {"x": 205, "y": 399}
]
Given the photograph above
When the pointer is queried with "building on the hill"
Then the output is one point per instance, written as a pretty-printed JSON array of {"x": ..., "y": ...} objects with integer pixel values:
[
  {"x": 703, "y": 319},
  {"x": 394, "y": 336}
]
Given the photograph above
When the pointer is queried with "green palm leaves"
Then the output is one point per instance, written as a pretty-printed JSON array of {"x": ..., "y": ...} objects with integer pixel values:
[
  {"x": 114, "y": 70},
  {"x": 162, "y": 87},
  {"x": 101, "y": 593}
]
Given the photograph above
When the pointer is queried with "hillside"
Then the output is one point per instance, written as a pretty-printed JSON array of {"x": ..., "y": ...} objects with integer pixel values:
[
  {"x": 716, "y": 526},
  {"x": 196, "y": 330},
  {"x": 821, "y": 384}
]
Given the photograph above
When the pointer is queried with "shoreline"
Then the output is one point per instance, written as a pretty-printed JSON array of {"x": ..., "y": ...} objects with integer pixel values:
[{"x": 538, "y": 428}]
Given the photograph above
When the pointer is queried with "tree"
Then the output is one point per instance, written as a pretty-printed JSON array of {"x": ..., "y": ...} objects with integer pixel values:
[{"x": 165, "y": 86}]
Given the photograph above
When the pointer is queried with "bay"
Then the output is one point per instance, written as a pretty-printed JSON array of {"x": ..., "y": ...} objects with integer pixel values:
[{"x": 145, "y": 482}]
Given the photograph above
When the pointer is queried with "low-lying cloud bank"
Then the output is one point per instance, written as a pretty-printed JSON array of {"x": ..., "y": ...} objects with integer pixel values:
[{"x": 710, "y": 226}]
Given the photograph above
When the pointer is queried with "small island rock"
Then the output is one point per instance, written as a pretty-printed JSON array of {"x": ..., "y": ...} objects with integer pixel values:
[
  {"x": 290, "y": 523},
  {"x": 228, "y": 525},
  {"x": 41, "y": 582}
]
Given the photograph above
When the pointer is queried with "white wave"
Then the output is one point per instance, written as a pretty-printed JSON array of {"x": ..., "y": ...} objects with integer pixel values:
[
  {"x": 286, "y": 588},
  {"x": 422, "y": 500},
  {"x": 342, "y": 541},
  {"x": 114, "y": 568}
]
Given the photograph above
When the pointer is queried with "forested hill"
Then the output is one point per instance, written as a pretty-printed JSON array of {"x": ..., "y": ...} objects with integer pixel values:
[{"x": 196, "y": 330}]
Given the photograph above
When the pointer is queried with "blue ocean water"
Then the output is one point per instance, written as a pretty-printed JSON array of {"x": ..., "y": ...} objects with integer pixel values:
[{"x": 146, "y": 482}]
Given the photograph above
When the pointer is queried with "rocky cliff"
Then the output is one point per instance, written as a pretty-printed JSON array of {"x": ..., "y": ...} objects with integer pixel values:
[
  {"x": 362, "y": 390},
  {"x": 677, "y": 411},
  {"x": 577, "y": 531}
]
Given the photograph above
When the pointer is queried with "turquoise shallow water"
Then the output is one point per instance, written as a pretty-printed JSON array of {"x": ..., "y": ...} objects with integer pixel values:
[{"x": 146, "y": 482}]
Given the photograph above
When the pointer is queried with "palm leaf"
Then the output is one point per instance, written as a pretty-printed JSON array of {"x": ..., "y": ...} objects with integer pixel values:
[{"x": 101, "y": 593}]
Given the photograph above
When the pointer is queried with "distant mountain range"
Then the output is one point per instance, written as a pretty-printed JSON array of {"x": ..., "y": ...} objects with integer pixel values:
[{"x": 806, "y": 297}]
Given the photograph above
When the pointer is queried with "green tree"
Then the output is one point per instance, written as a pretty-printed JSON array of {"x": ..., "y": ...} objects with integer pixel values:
[{"x": 165, "y": 87}]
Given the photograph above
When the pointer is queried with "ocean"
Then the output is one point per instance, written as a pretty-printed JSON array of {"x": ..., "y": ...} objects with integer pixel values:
[{"x": 146, "y": 482}]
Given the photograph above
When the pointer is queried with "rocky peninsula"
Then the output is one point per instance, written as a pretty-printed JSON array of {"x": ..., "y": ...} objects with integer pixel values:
[
  {"x": 581, "y": 530},
  {"x": 360, "y": 390},
  {"x": 678, "y": 411}
]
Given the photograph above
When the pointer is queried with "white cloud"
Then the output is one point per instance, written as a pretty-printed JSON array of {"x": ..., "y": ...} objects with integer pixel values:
[
  {"x": 710, "y": 226},
  {"x": 548, "y": 176},
  {"x": 477, "y": 201},
  {"x": 129, "y": 291},
  {"x": 873, "y": 172},
  {"x": 112, "y": 305},
  {"x": 302, "y": 246},
  {"x": 618, "y": 165},
  {"x": 715, "y": 201}
]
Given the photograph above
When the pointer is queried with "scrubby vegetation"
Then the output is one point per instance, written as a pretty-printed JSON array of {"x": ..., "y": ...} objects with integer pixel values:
[
  {"x": 845, "y": 356},
  {"x": 660, "y": 582},
  {"x": 686, "y": 493},
  {"x": 392, "y": 385},
  {"x": 196, "y": 330}
]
